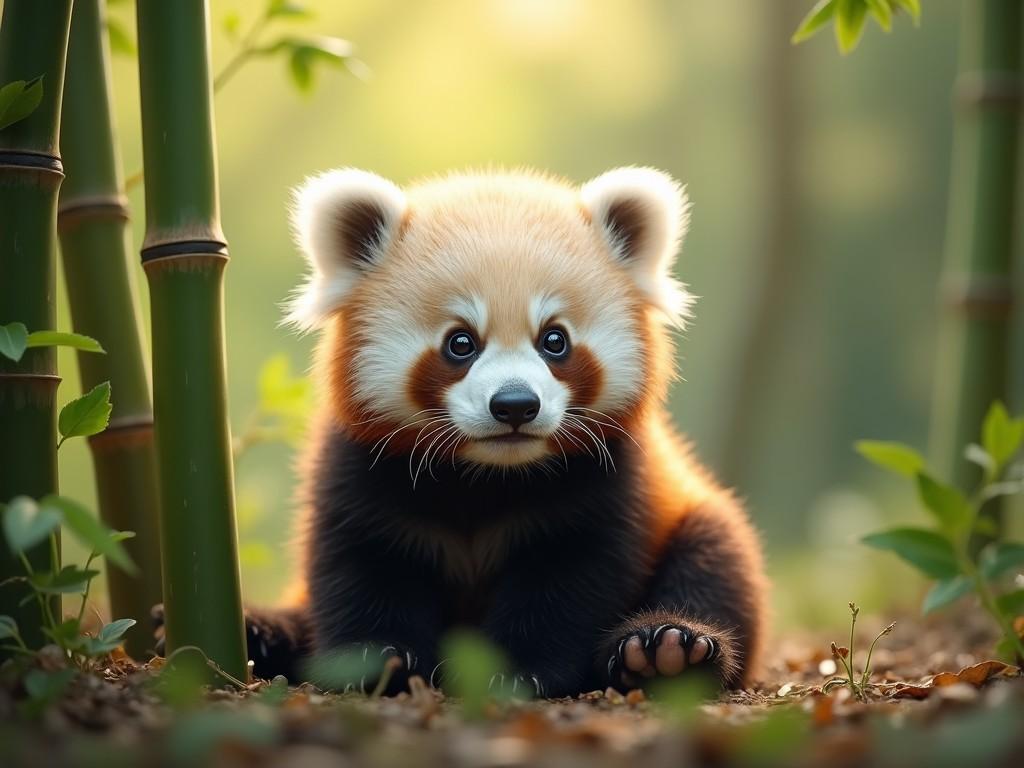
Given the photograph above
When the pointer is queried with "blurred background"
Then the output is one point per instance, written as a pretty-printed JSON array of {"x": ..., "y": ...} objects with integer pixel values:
[{"x": 819, "y": 185}]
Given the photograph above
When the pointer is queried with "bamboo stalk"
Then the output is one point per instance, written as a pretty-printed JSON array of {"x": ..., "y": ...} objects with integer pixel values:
[
  {"x": 92, "y": 222},
  {"x": 33, "y": 42},
  {"x": 977, "y": 282},
  {"x": 184, "y": 255}
]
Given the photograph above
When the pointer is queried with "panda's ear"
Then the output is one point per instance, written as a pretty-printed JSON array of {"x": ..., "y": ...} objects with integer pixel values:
[
  {"x": 344, "y": 222},
  {"x": 642, "y": 215}
]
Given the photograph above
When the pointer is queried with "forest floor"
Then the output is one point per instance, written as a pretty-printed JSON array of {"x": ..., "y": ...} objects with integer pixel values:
[{"x": 936, "y": 700}]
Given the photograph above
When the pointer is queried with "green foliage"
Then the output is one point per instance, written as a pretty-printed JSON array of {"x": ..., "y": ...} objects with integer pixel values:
[
  {"x": 850, "y": 18},
  {"x": 26, "y": 524},
  {"x": 86, "y": 415},
  {"x": 472, "y": 663},
  {"x": 946, "y": 551},
  {"x": 285, "y": 404},
  {"x": 19, "y": 99},
  {"x": 15, "y": 339},
  {"x": 303, "y": 53}
]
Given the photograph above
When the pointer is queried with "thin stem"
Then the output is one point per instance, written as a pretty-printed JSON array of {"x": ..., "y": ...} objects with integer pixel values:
[
  {"x": 849, "y": 667},
  {"x": 85, "y": 594}
]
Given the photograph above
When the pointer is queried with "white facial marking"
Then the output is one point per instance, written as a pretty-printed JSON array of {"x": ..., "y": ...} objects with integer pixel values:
[
  {"x": 471, "y": 309},
  {"x": 468, "y": 403},
  {"x": 614, "y": 340},
  {"x": 393, "y": 344}
]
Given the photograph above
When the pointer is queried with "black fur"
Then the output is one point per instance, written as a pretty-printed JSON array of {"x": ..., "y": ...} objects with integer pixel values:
[{"x": 573, "y": 571}]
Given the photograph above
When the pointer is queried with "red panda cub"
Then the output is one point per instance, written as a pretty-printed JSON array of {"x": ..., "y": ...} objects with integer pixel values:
[{"x": 494, "y": 449}]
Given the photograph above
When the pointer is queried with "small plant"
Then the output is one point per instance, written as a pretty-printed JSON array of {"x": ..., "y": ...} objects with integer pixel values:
[
  {"x": 283, "y": 411},
  {"x": 844, "y": 656},
  {"x": 947, "y": 551},
  {"x": 850, "y": 17},
  {"x": 27, "y": 523}
]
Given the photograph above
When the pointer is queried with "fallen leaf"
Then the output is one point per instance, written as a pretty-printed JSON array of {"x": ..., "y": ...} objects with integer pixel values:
[{"x": 975, "y": 675}]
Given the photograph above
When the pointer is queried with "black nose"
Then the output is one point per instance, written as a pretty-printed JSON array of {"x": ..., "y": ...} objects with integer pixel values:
[{"x": 515, "y": 405}]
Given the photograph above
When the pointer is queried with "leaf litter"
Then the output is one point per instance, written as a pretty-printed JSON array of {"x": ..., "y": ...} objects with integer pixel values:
[{"x": 934, "y": 699}]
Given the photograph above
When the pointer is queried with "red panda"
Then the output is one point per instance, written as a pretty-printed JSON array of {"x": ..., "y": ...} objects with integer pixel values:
[{"x": 494, "y": 449}]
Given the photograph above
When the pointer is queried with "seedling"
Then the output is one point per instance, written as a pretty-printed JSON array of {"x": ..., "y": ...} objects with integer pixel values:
[{"x": 860, "y": 685}]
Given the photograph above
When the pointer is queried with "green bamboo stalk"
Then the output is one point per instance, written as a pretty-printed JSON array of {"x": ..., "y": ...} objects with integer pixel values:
[
  {"x": 92, "y": 221},
  {"x": 184, "y": 255},
  {"x": 33, "y": 42},
  {"x": 975, "y": 337}
]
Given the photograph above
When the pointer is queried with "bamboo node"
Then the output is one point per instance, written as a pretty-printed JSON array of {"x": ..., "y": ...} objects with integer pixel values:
[
  {"x": 185, "y": 248},
  {"x": 36, "y": 161},
  {"x": 988, "y": 89}
]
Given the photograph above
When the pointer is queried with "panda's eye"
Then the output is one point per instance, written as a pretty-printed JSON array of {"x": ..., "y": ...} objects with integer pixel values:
[
  {"x": 554, "y": 343},
  {"x": 460, "y": 345}
]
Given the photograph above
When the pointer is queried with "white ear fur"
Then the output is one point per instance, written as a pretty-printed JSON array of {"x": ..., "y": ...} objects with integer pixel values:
[
  {"x": 344, "y": 221},
  {"x": 643, "y": 214}
]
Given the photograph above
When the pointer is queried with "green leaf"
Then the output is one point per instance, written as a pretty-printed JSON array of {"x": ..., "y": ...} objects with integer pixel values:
[
  {"x": 27, "y": 524},
  {"x": 90, "y": 532},
  {"x": 69, "y": 580},
  {"x": 8, "y": 93},
  {"x": 120, "y": 41},
  {"x": 122, "y": 535},
  {"x": 66, "y": 634},
  {"x": 945, "y": 592},
  {"x": 472, "y": 662},
  {"x": 946, "y": 503},
  {"x": 850, "y": 18},
  {"x": 287, "y": 8},
  {"x": 998, "y": 558},
  {"x": 8, "y": 628},
  {"x": 61, "y": 339},
  {"x": 1008, "y": 488},
  {"x": 86, "y": 415},
  {"x": 895, "y": 457},
  {"x": 1012, "y": 603},
  {"x": 231, "y": 23},
  {"x": 913, "y": 7},
  {"x": 114, "y": 631},
  {"x": 47, "y": 686},
  {"x": 13, "y": 340},
  {"x": 928, "y": 551},
  {"x": 24, "y": 103},
  {"x": 1001, "y": 435},
  {"x": 816, "y": 18},
  {"x": 975, "y": 454},
  {"x": 303, "y": 52},
  {"x": 882, "y": 12}
]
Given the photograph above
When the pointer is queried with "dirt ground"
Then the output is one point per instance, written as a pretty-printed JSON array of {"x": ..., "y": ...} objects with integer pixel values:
[{"x": 935, "y": 701}]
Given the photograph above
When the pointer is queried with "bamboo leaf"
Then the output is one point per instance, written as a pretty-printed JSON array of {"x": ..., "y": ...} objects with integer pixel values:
[
  {"x": 24, "y": 104},
  {"x": 1001, "y": 435},
  {"x": 882, "y": 12},
  {"x": 895, "y": 457},
  {"x": 850, "y": 18},
  {"x": 27, "y": 524},
  {"x": 86, "y": 415},
  {"x": 816, "y": 18},
  {"x": 287, "y": 8},
  {"x": 946, "y": 503},
  {"x": 999, "y": 558},
  {"x": 90, "y": 532},
  {"x": 120, "y": 41},
  {"x": 945, "y": 592},
  {"x": 8, "y": 627},
  {"x": 1007, "y": 488},
  {"x": 61, "y": 339},
  {"x": 928, "y": 551},
  {"x": 13, "y": 340},
  {"x": 913, "y": 7}
]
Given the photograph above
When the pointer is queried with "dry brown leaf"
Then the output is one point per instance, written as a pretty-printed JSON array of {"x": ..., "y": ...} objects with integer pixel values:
[{"x": 975, "y": 675}]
